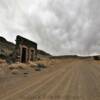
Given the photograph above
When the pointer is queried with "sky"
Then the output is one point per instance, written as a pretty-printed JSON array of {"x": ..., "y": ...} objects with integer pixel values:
[{"x": 60, "y": 27}]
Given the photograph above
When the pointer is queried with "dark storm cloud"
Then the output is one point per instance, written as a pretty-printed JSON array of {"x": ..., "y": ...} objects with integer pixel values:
[{"x": 58, "y": 26}]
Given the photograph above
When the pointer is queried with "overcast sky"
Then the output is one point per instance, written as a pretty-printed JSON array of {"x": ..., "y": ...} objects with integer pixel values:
[{"x": 58, "y": 26}]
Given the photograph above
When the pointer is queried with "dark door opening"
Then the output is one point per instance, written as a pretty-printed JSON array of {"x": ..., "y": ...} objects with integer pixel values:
[
  {"x": 32, "y": 55},
  {"x": 23, "y": 57}
]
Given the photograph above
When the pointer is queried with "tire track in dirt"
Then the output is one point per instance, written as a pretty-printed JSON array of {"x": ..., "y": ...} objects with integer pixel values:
[
  {"x": 60, "y": 83},
  {"x": 42, "y": 90},
  {"x": 11, "y": 85},
  {"x": 95, "y": 80},
  {"x": 31, "y": 82},
  {"x": 83, "y": 80},
  {"x": 51, "y": 86},
  {"x": 78, "y": 80},
  {"x": 14, "y": 93},
  {"x": 70, "y": 92},
  {"x": 57, "y": 87},
  {"x": 87, "y": 80},
  {"x": 89, "y": 85}
]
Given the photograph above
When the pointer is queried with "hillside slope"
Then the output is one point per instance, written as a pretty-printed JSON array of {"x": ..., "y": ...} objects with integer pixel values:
[{"x": 6, "y": 47}]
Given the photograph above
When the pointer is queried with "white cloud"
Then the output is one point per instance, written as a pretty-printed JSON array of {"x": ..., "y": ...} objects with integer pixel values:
[{"x": 58, "y": 26}]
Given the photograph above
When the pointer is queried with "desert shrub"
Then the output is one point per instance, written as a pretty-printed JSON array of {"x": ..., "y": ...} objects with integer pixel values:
[
  {"x": 96, "y": 57},
  {"x": 21, "y": 67},
  {"x": 2, "y": 56},
  {"x": 14, "y": 71},
  {"x": 41, "y": 66},
  {"x": 17, "y": 66},
  {"x": 25, "y": 73},
  {"x": 33, "y": 65},
  {"x": 11, "y": 67}
]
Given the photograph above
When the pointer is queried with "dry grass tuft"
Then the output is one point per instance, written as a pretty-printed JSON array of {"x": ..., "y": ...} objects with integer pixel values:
[
  {"x": 32, "y": 64},
  {"x": 15, "y": 71},
  {"x": 17, "y": 66}
]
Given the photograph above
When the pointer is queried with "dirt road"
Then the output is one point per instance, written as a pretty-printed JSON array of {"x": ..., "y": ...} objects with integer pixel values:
[{"x": 64, "y": 80}]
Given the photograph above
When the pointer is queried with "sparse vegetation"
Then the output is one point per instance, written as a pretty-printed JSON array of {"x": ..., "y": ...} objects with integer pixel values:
[
  {"x": 17, "y": 66},
  {"x": 15, "y": 71},
  {"x": 2, "y": 56}
]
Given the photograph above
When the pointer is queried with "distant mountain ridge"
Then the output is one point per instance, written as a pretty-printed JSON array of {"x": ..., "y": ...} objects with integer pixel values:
[{"x": 41, "y": 52}]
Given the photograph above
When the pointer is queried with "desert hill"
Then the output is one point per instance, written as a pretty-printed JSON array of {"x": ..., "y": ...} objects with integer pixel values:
[{"x": 6, "y": 47}]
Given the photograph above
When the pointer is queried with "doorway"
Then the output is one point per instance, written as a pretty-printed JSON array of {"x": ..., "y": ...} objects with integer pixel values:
[
  {"x": 32, "y": 55},
  {"x": 23, "y": 57}
]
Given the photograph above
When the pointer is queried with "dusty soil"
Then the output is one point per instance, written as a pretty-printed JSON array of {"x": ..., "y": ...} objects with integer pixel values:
[{"x": 65, "y": 79}]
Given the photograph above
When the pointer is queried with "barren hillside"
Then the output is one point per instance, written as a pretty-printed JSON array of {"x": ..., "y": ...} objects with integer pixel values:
[{"x": 6, "y": 47}]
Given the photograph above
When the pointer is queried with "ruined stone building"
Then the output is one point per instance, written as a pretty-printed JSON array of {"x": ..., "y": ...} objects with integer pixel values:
[{"x": 25, "y": 49}]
